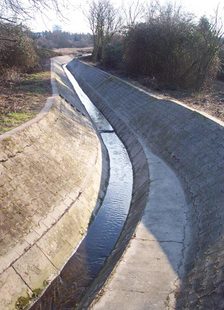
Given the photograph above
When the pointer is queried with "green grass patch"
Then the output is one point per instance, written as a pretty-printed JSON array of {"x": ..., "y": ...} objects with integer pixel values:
[
  {"x": 22, "y": 303},
  {"x": 13, "y": 119},
  {"x": 38, "y": 83}
]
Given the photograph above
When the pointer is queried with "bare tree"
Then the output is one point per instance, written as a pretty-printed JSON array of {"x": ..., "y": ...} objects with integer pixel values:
[
  {"x": 133, "y": 13},
  {"x": 104, "y": 21}
]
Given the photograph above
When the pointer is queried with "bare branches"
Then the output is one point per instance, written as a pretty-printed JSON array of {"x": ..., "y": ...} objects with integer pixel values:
[
  {"x": 173, "y": 47},
  {"x": 4, "y": 19},
  {"x": 19, "y": 10},
  {"x": 104, "y": 21},
  {"x": 133, "y": 13},
  {"x": 20, "y": 7}
]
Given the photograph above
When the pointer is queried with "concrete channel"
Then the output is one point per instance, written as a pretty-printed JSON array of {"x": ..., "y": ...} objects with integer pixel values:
[
  {"x": 154, "y": 263},
  {"x": 156, "y": 242},
  {"x": 68, "y": 289}
]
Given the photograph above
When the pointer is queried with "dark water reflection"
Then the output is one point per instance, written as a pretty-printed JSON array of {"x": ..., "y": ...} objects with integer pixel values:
[{"x": 66, "y": 291}]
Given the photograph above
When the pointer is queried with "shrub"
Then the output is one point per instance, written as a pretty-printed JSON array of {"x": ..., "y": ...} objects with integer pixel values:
[
  {"x": 113, "y": 54},
  {"x": 171, "y": 48},
  {"x": 23, "y": 55},
  {"x": 221, "y": 67},
  {"x": 19, "y": 50}
]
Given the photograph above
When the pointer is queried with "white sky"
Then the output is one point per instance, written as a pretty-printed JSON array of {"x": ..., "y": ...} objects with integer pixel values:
[{"x": 76, "y": 22}]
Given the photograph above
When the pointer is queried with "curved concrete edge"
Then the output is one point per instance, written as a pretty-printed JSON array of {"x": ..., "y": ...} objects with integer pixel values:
[
  {"x": 39, "y": 256},
  {"x": 44, "y": 111},
  {"x": 139, "y": 195}
]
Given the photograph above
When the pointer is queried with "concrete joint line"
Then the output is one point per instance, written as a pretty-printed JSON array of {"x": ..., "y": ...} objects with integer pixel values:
[
  {"x": 21, "y": 277},
  {"x": 42, "y": 251},
  {"x": 47, "y": 230}
]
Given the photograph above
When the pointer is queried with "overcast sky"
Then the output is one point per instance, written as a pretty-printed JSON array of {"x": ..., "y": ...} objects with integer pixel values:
[{"x": 76, "y": 22}]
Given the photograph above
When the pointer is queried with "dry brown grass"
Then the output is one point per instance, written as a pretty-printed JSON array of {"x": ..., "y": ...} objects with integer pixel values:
[
  {"x": 74, "y": 51},
  {"x": 210, "y": 100}
]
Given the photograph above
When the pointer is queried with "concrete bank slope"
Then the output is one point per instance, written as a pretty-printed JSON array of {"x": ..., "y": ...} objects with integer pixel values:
[
  {"x": 50, "y": 179},
  {"x": 193, "y": 146}
]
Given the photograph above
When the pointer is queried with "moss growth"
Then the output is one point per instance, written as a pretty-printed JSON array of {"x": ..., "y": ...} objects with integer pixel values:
[
  {"x": 7, "y": 140},
  {"x": 37, "y": 292},
  {"x": 22, "y": 302},
  {"x": 45, "y": 283}
]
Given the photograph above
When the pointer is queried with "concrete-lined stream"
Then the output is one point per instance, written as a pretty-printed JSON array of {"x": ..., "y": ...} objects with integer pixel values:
[
  {"x": 66, "y": 291},
  {"x": 175, "y": 257}
]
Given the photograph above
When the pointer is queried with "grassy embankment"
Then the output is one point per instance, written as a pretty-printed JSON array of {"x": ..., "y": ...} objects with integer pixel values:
[{"x": 22, "y": 97}]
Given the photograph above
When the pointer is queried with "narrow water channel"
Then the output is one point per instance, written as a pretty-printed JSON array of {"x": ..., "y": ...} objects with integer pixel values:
[{"x": 66, "y": 291}]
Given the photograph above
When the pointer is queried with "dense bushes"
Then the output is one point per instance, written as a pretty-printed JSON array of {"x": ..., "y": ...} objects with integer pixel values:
[
  {"x": 113, "y": 53},
  {"x": 169, "y": 48},
  {"x": 221, "y": 67},
  {"x": 23, "y": 55},
  {"x": 17, "y": 49},
  {"x": 174, "y": 50},
  {"x": 24, "y": 51}
]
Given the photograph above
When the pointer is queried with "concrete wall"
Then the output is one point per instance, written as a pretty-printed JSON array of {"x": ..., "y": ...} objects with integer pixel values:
[
  {"x": 193, "y": 145},
  {"x": 50, "y": 176}
]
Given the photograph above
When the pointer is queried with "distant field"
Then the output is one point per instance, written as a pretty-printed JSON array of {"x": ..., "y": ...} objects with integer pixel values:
[{"x": 74, "y": 51}]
